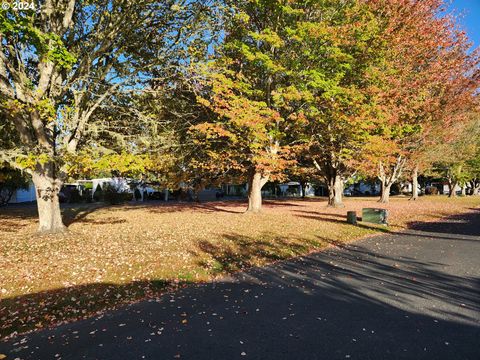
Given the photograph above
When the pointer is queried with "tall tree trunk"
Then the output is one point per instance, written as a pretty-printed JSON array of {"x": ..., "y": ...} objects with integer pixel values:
[
  {"x": 475, "y": 187},
  {"x": 339, "y": 187},
  {"x": 464, "y": 190},
  {"x": 48, "y": 204},
  {"x": 385, "y": 192},
  {"x": 451, "y": 189},
  {"x": 335, "y": 191},
  {"x": 387, "y": 179},
  {"x": 256, "y": 182},
  {"x": 471, "y": 187},
  {"x": 333, "y": 180},
  {"x": 331, "y": 190},
  {"x": 415, "y": 183},
  {"x": 302, "y": 188}
]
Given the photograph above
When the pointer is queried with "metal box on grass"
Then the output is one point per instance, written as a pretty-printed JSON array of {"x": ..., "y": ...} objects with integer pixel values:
[{"x": 375, "y": 216}]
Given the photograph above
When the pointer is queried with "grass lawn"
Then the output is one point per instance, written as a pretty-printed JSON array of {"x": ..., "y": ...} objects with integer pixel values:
[{"x": 116, "y": 255}]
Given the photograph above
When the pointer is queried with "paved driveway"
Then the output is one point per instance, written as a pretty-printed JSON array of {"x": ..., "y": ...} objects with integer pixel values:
[{"x": 399, "y": 296}]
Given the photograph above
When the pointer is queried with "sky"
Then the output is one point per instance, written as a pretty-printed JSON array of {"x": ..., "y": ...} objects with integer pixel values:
[{"x": 470, "y": 21}]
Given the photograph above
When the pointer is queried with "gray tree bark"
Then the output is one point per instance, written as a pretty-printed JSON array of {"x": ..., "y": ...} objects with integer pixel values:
[
  {"x": 415, "y": 183},
  {"x": 385, "y": 193},
  {"x": 335, "y": 191},
  {"x": 451, "y": 189},
  {"x": 256, "y": 182},
  {"x": 48, "y": 203},
  {"x": 388, "y": 179},
  {"x": 475, "y": 187}
]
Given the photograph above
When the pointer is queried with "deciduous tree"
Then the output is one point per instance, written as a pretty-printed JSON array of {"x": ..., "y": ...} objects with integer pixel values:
[
  {"x": 336, "y": 48},
  {"x": 247, "y": 130},
  {"x": 61, "y": 62},
  {"x": 456, "y": 159},
  {"x": 429, "y": 83}
]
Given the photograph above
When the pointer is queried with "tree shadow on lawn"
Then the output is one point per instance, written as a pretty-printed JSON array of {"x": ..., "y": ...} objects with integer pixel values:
[
  {"x": 223, "y": 206},
  {"x": 70, "y": 212},
  {"x": 369, "y": 266},
  {"x": 27, "y": 312},
  {"x": 10, "y": 226},
  {"x": 342, "y": 220},
  {"x": 37, "y": 310},
  {"x": 236, "y": 252},
  {"x": 14, "y": 217},
  {"x": 458, "y": 224},
  {"x": 282, "y": 202},
  {"x": 232, "y": 207},
  {"x": 317, "y": 214},
  {"x": 79, "y": 212},
  {"x": 17, "y": 211},
  {"x": 353, "y": 303},
  {"x": 233, "y": 253}
]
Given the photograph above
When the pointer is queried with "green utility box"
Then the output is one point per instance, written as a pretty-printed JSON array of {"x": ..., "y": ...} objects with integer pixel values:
[
  {"x": 352, "y": 217},
  {"x": 375, "y": 216}
]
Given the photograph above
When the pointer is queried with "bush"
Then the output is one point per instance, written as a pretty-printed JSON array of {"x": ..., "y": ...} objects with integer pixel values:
[
  {"x": 98, "y": 195},
  {"x": 137, "y": 194},
  {"x": 156, "y": 195},
  {"x": 431, "y": 190},
  {"x": 395, "y": 189},
  {"x": 87, "y": 195},
  {"x": 240, "y": 192},
  {"x": 114, "y": 196},
  {"x": 75, "y": 196},
  {"x": 179, "y": 195}
]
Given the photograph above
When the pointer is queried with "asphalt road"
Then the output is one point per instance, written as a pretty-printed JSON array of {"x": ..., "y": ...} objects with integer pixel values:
[{"x": 398, "y": 296}]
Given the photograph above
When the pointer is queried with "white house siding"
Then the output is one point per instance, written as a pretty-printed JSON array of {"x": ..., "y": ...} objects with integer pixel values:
[
  {"x": 120, "y": 184},
  {"x": 446, "y": 189}
]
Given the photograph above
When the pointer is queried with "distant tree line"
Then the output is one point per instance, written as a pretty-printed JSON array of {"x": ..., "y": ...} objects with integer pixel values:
[{"x": 206, "y": 92}]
